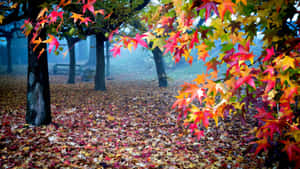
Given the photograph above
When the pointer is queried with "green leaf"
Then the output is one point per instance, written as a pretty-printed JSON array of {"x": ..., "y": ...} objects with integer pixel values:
[
  {"x": 166, "y": 1},
  {"x": 71, "y": 31},
  {"x": 227, "y": 47},
  {"x": 56, "y": 53}
]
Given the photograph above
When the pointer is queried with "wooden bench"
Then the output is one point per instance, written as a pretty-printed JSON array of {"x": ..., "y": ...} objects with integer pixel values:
[{"x": 63, "y": 69}]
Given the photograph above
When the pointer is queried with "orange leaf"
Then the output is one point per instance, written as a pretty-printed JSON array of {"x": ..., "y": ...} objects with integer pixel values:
[{"x": 227, "y": 5}]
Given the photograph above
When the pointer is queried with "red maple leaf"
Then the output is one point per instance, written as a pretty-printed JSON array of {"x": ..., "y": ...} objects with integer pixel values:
[
  {"x": 52, "y": 41},
  {"x": 193, "y": 126},
  {"x": 209, "y": 5},
  {"x": 199, "y": 134},
  {"x": 116, "y": 50},
  {"x": 178, "y": 53},
  {"x": 262, "y": 114},
  {"x": 270, "y": 53},
  {"x": 271, "y": 127},
  {"x": 270, "y": 85},
  {"x": 194, "y": 39},
  {"x": 244, "y": 52},
  {"x": 86, "y": 21},
  {"x": 169, "y": 47},
  {"x": 90, "y": 6},
  {"x": 203, "y": 116},
  {"x": 245, "y": 79},
  {"x": 212, "y": 64},
  {"x": 107, "y": 16},
  {"x": 262, "y": 144},
  {"x": 292, "y": 149},
  {"x": 54, "y": 14},
  {"x": 139, "y": 40},
  {"x": 112, "y": 34},
  {"x": 270, "y": 70}
]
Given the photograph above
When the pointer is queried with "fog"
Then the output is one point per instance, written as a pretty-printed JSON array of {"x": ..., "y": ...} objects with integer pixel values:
[{"x": 130, "y": 65}]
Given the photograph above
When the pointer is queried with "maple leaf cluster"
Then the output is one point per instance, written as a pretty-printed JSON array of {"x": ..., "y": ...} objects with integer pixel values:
[
  {"x": 53, "y": 15},
  {"x": 266, "y": 87}
]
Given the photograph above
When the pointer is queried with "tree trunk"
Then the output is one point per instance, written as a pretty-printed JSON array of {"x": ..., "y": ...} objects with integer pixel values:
[
  {"x": 9, "y": 59},
  {"x": 72, "y": 69},
  {"x": 38, "y": 93},
  {"x": 107, "y": 59},
  {"x": 92, "y": 53},
  {"x": 100, "y": 63},
  {"x": 160, "y": 67}
]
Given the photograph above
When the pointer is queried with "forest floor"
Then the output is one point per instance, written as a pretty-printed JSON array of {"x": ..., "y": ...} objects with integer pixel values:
[{"x": 131, "y": 125}]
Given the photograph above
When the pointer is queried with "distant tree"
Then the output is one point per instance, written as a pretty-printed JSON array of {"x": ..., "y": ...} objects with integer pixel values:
[
  {"x": 92, "y": 52},
  {"x": 8, "y": 33},
  {"x": 117, "y": 14},
  {"x": 107, "y": 56},
  {"x": 157, "y": 54},
  {"x": 72, "y": 70},
  {"x": 113, "y": 16}
]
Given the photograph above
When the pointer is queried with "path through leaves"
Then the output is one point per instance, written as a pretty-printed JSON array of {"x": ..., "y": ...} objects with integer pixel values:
[{"x": 130, "y": 125}]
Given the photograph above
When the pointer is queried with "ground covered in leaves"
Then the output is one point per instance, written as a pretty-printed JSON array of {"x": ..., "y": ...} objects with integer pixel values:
[{"x": 131, "y": 125}]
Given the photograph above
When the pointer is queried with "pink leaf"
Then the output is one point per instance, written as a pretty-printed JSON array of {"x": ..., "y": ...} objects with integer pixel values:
[
  {"x": 139, "y": 40},
  {"x": 270, "y": 53},
  {"x": 90, "y": 6},
  {"x": 116, "y": 50},
  {"x": 208, "y": 7},
  {"x": 112, "y": 34}
]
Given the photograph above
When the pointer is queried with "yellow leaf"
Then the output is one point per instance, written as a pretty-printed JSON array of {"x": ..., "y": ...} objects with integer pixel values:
[
  {"x": 287, "y": 62},
  {"x": 216, "y": 120},
  {"x": 238, "y": 105},
  {"x": 159, "y": 31},
  {"x": 194, "y": 109},
  {"x": 14, "y": 5},
  {"x": 42, "y": 12},
  {"x": 295, "y": 134},
  {"x": 26, "y": 148},
  {"x": 202, "y": 52},
  {"x": 244, "y": 1},
  {"x": 110, "y": 118},
  {"x": 76, "y": 16},
  {"x": 1, "y": 19},
  {"x": 158, "y": 43},
  {"x": 187, "y": 55},
  {"x": 130, "y": 47},
  {"x": 200, "y": 79}
]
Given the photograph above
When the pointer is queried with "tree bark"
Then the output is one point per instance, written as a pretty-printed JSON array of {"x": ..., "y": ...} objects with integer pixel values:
[
  {"x": 160, "y": 67},
  {"x": 100, "y": 63},
  {"x": 72, "y": 69},
  {"x": 38, "y": 93},
  {"x": 9, "y": 59},
  {"x": 107, "y": 59}
]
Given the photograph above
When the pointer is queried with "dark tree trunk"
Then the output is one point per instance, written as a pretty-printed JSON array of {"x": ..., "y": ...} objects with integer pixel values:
[
  {"x": 160, "y": 67},
  {"x": 71, "y": 43},
  {"x": 38, "y": 93},
  {"x": 92, "y": 53},
  {"x": 9, "y": 59},
  {"x": 107, "y": 59},
  {"x": 100, "y": 63}
]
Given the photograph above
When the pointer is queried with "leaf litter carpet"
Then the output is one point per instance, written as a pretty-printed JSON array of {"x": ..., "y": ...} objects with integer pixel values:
[{"x": 131, "y": 125}]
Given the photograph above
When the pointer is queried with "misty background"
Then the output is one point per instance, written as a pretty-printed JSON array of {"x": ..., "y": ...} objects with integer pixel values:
[{"x": 135, "y": 65}]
